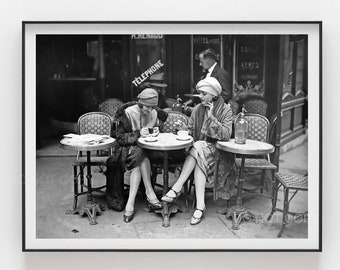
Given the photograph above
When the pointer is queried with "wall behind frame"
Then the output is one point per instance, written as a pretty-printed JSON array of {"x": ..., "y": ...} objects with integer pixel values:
[{"x": 14, "y": 11}]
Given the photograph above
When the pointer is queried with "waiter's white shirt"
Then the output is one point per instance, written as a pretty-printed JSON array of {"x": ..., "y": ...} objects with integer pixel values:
[{"x": 210, "y": 70}]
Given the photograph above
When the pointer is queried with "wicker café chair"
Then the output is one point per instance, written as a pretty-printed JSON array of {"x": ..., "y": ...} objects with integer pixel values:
[
  {"x": 90, "y": 123},
  {"x": 177, "y": 157},
  {"x": 174, "y": 116},
  {"x": 256, "y": 105},
  {"x": 289, "y": 182},
  {"x": 110, "y": 106},
  {"x": 258, "y": 129}
]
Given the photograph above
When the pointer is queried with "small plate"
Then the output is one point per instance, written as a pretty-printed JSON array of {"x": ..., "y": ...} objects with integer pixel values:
[
  {"x": 184, "y": 138},
  {"x": 70, "y": 135},
  {"x": 151, "y": 139}
]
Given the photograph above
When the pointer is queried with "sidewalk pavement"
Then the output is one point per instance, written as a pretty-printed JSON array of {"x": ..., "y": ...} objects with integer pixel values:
[{"x": 55, "y": 196}]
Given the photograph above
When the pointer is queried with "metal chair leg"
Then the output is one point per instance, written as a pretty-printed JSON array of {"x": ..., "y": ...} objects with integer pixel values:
[
  {"x": 81, "y": 178},
  {"x": 285, "y": 212},
  {"x": 273, "y": 183},
  {"x": 275, "y": 189},
  {"x": 263, "y": 178},
  {"x": 75, "y": 187}
]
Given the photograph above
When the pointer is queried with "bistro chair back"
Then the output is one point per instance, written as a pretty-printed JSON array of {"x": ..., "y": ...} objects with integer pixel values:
[
  {"x": 173, "y": 117},
  {"x": 98, "y": 123},
  {"x": 110, "y": 106},
  {"x": 258, "y": 127},
  {"x": 259, "y": 130},
  {"x": 291, "y": 184},
  {"x": 94, "y": 123},
  {"x": 256, "y": 105}
]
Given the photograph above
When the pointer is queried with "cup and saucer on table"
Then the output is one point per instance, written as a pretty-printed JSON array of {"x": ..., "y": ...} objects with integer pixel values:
[
  {"x": 183, "y": 135},
  {"x": 153, "y": 133}
]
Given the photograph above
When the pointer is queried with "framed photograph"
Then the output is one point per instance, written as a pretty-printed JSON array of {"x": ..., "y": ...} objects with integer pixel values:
[{"x": 254, "y": 147}]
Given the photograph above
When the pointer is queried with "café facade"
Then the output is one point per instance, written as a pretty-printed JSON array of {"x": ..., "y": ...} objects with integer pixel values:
[{"x": 75, "y": 73}]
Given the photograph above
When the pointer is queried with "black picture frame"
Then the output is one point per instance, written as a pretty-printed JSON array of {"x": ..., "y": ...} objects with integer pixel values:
[{"x": 30, "y": 29}]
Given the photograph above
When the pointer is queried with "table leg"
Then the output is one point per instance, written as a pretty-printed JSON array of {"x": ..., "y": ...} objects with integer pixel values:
[
  {"x": 238, "y": 213},
  {"x": 167, "y": 209},
  {"x": 90, "y": 208},
  {"x": 165, "y": 173},
  {"x": 166, "y": 215},
  {"x": 240, "y": 183}
]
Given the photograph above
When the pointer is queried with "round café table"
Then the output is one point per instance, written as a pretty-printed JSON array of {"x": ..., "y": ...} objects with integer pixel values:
[
  {"x": 90, "y": 208},
  {"x": 165, "y": 143},
  {"x": 238, "y": 213}
]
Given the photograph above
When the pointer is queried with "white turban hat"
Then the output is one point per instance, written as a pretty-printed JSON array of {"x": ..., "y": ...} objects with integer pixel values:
[{"x": 209, "y": 85}]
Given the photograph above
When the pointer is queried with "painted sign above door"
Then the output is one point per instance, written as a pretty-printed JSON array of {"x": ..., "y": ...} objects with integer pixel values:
[{"x": 249, "y": 73}]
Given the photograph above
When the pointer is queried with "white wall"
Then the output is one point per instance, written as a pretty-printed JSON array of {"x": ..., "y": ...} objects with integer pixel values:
[{"x": 12, "y": 12}]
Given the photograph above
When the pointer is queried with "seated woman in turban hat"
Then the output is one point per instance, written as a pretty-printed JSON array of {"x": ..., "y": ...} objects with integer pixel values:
[{"x": 210, "y": 121}]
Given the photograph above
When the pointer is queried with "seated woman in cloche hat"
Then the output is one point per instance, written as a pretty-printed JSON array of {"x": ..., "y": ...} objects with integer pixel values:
[{"x": 134, "y": 121}]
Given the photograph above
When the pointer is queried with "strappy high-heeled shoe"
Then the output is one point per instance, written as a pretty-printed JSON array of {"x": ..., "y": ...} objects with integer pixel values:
[
  {"x": 168, "y": 199},
  {"x": 154, "y": 204},
  {"x": 128, "y": 216},
  {"x": 195, "y": 220}
]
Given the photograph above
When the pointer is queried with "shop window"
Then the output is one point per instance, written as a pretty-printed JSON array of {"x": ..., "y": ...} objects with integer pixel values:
[
  {"x": 294, "y": 75},
  {"x": 148, "y": 57},
  {"x": 201, "y": 43},
  {"x": 249, "y": 67}
]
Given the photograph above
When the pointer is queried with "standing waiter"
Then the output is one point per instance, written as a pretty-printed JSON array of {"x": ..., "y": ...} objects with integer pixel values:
[{"x": 208, "y": 62}]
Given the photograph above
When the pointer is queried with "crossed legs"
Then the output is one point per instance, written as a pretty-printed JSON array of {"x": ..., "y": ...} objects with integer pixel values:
[
  {"x": 190, "y": 165},
  {"x": 140, "y": 172}
]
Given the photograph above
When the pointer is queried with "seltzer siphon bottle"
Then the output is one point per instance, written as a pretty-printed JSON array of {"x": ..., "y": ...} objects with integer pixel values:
[{"x": 241, "y": 128}]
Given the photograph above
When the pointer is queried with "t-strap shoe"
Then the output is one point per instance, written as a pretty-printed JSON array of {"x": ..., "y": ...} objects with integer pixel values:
[
  {"x": 170, "y": 199},
  {"x": 154, "y": 204},
  {"x": 194, "y": 219}
]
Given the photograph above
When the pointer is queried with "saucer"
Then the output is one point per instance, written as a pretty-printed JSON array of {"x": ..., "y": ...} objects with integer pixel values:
[
  {"x": 151, "y": 139},
  {"x": 183, "y": 138}
]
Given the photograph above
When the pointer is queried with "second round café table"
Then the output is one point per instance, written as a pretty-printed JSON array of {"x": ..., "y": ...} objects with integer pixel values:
[
  {"x": 90, "y": 208},
  {"x": 165, "y": 143},
  {"x": 238, "y": 213}
]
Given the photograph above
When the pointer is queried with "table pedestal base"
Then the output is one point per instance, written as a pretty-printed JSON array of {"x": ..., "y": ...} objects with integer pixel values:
[
  {"x": 238, "y": 214},
  {"x": 89, "y": 209},
  {"x": 167, "y": 210}
]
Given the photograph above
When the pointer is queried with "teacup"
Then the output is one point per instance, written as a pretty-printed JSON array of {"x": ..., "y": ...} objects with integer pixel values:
[
  {"x": 183, "y": 133},
  {"x": 150, "y": 130}
]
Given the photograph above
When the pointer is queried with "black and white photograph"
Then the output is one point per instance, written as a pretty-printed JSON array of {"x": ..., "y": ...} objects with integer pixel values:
[{"x": 172, "y": 136}]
